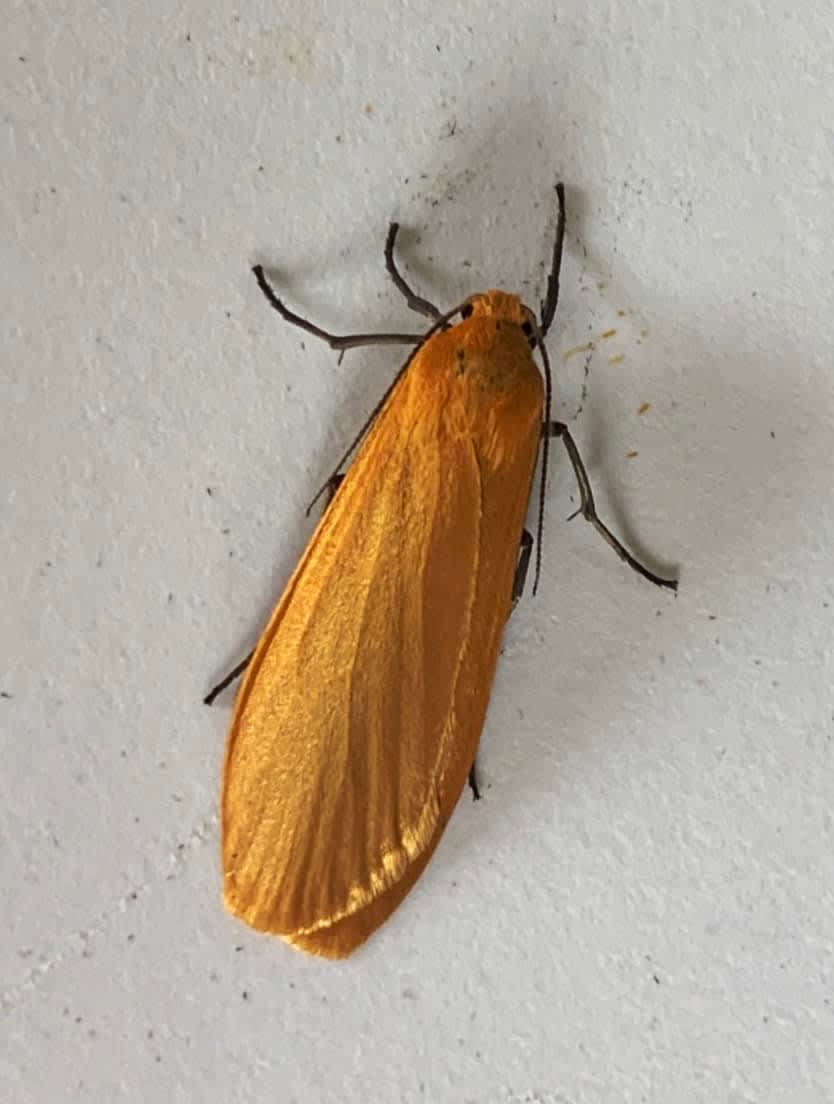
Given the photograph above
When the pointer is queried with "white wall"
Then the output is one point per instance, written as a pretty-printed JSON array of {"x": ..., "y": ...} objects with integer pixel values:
[{"x": 642, "y": 906}]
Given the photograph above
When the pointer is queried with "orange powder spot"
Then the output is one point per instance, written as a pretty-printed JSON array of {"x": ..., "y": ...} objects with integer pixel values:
[{"x": 586, "y": 348}]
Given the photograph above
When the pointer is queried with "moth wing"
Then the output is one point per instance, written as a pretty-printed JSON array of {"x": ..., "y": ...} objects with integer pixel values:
[
  {"x": 345, "y": 755},
  {"x": 345, "y": 935}
]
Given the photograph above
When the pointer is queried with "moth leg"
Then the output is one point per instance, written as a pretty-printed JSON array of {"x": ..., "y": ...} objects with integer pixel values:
[
  {"x": 335, "y": 341},
  {"x": 235, "y": 673},
  {"x": 415, "y": 301},
  {"x": 519, "y": 579},
  {"x": 588, "y": 509},
  {"x": 548, "y": 304},
  {"x": 331, "y": 486},
  {"x": 521, "y": 568},
  {"x": 473, "y": 781}
]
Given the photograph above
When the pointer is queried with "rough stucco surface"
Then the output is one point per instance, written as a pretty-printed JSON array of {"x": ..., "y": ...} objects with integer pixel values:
[{"x": 642, "y": 906}]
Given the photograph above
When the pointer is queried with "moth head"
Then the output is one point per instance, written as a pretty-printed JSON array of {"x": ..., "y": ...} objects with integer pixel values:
[{"x": 502, "y": 307}]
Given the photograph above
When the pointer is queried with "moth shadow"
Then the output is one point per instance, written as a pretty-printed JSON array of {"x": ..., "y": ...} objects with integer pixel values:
[{"x": 733, "y": 447}]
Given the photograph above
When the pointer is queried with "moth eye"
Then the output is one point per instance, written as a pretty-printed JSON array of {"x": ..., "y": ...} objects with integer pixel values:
[
  {"x": 466, "y": 310},
  {"x": 527, "y": 330}
]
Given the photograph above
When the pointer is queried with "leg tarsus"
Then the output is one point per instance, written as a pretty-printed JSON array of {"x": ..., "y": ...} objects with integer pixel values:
[
  {"x": 415, "y": 301},
  {"x": 589, "y": 511},
  {"x": 522, "y": 567},
  {"x": 235, "y": 673},
  {"x": 473, "y": 782}
]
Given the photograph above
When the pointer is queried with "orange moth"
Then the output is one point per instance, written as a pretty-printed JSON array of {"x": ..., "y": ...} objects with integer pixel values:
[{"x": 358, "y": 717}]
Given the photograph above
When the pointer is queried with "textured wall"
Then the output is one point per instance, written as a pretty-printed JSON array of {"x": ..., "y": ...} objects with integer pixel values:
[{"x": 642, "y": 906}]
